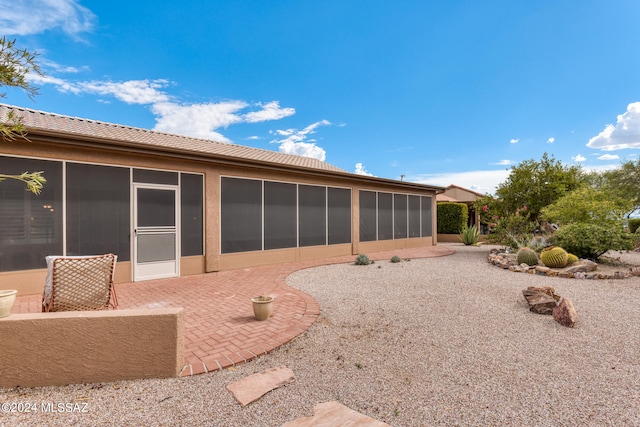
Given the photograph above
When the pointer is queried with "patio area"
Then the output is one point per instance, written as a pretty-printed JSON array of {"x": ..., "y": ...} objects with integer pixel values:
[{"x": 220, "y": 329}]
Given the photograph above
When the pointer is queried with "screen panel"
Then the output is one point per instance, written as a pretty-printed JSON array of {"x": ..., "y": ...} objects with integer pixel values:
[
  {"x": 280, "y": 216},
  {"x": 385, "y": 216},
  {"x": 427, "y": 218},
  {"x": 400, "y": 216},
  {"x": 98, "y": 210},
  {"x": 312, "y": 211},
  {"x": 414, "y": 216},
  {"x": 339, "y": 215},
  {"x": 368, "y": 216},
  {"x": 241, "y": 215}
]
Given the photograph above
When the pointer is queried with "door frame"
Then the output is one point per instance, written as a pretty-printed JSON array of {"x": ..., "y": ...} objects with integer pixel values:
[{"x": 169, "y": 268}]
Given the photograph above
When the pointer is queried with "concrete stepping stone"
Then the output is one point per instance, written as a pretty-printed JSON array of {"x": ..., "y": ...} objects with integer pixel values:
[
  {"x": 255, "y": 386},
  {"x": 335, "y": 414}
]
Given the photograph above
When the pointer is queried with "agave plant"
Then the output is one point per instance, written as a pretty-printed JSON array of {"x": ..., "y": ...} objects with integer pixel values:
[{"x": 470, "y": 235}]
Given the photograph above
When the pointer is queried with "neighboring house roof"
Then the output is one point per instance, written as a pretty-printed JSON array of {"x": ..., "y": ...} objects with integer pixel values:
[
  {"x": 453, "y": 186},
  {"x": 443, "y": 198},
  {"x": 66, "y": 129}
]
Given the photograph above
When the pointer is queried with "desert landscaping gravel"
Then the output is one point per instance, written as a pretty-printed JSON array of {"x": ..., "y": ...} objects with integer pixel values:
[{"x": 429, "y": 342}]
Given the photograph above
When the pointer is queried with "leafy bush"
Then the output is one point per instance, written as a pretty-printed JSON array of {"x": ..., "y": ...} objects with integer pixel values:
[
  {"x": 634, "y": 224},
  {"x": 514, "y": 231},
  {"x": 395, "y": 258},
  {"x": 469, "y": 235},
  {"x": 452, "y": 217},
  {"x": 590, "y": 240},
  {"x": 363, "y": 260}
]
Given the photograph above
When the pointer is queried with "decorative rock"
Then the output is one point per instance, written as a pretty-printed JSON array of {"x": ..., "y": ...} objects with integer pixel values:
[
  {"x": 541, "y": 300},
  {"x": 335, "y": 414},
  {"x": 565, "y": 313},
  {"x": 253, "y": 387},
  {"x": 582, "y": 266}
]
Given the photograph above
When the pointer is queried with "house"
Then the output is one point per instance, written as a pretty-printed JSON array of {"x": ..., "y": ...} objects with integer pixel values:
[
  {"x": 457, "y": 194},
  {"x": 171, "y": 205}
]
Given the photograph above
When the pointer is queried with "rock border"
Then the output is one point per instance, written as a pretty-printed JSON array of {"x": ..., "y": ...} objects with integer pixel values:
[{"x": 507, "y": 262}]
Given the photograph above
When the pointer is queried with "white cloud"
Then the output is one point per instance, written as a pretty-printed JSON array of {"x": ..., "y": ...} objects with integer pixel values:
[
  {"x": 481, "y": 181},
  {"x": 514, "y": 140},
  {"x": 296, "y": 141},
  {"x": 579, "y": 158},
  {"x": 551, "y": 140},
  {"x": 609, "y": 157},
  {"x": 130, "y": 92},
  {"x": 25, "y": 17},
  {"x": 197, "y": 120},
  {"x": 360, "y": 170},
  {"x": 504, "y": 162},
  {"x": 625, "y": 133},
  {"x": 270, "y": 111}
]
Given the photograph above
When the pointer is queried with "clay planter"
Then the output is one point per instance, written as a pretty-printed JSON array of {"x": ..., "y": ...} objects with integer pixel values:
[
  {"x": 262, "y": 307},
  {"x": 7, "y": 298}
]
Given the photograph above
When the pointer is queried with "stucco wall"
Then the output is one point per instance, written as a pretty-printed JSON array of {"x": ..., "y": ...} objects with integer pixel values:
[
  {"x": 213, "y": 260},
  {"x": 73, "y": 347}
]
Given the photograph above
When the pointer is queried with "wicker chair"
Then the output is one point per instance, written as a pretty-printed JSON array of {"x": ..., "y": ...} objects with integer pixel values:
[{"x": 80, "y": 283}]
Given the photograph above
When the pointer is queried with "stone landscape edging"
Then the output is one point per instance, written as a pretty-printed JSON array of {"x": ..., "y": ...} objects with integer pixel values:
[{"x": 504, "y": 261}]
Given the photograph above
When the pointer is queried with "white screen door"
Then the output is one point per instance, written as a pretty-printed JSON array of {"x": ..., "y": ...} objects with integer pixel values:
[{"x": 156, "y": 250}]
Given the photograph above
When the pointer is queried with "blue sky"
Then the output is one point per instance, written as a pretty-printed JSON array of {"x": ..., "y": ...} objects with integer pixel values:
[{"x": 435, "y": 92}]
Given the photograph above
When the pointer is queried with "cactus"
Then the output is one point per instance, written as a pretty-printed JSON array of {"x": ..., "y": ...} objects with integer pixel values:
[
  {"x": 527, "y": 256},
  {"x": 395, "y": 258},
  {"x": 554, "y": 257},
  {"x": 363, "y": 260},
  {"x": 571, "y": 259}
]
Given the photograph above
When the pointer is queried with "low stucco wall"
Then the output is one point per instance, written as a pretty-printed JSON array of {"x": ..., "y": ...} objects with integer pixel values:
[{"x": 73, "y": 347}]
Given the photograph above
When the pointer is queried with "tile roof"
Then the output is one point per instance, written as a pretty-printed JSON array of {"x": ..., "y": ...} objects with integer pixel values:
[{"x": 37, "y": 122}]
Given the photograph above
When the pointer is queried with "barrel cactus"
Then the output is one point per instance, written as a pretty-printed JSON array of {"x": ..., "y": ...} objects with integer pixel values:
[
  {"x": 554, "y": 257},
  {"x": 527, "y": 256},
  {"x": 571, "y": 259}
]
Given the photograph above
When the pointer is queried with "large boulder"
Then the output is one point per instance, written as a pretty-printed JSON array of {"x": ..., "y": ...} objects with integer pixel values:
[
  {"x": 541, "y": 300},
  {"x": 565, "y": 313}
]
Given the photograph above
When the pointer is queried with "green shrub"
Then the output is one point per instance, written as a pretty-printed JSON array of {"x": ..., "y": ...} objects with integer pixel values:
[
  {"x": 589, "y": 240},
  {"x": 470, "y": 235},
  {"x": 634, "y": 224},
  {"x": 452, "y": 217},
  {"x": 363, "y": 260},
  {"x": 395, "y": 258}
]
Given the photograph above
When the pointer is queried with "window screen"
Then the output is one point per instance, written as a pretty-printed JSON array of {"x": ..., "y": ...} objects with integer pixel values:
[
  {"x": 191, "y": 219},
  {"x": 414, "y": 216},
  {"x": 427, "y": 226},
  {"x": 280, "y": 225},
  {"x": 312, "y": 202},
  {"x": 241, "y": 215},
  {"x": 98, "y": 210},
  {"x": 368, "y": 216},
  {"x": 399, "y": 216},
  {"x": 339, "y": 215},
  {"x": 385, "y": 216},
  {"x": 30, "y": 225}
]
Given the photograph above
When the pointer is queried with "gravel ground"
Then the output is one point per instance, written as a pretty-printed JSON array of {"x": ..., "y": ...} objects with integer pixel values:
[{"x": 433, "y": 342}]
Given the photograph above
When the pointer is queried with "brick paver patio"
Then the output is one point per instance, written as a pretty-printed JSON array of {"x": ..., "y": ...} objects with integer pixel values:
[{"x": 220, "y": 330}]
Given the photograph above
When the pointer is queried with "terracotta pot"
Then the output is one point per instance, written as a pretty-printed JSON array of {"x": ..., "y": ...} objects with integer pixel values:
[
  {"x": 7, "y": 298},
  {"x": 262, "y": 307}
]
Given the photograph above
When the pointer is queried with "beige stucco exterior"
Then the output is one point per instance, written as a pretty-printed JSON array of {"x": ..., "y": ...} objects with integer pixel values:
[
  {"x": 58, "y": 147},
  {"x": 73, "y": 347}
]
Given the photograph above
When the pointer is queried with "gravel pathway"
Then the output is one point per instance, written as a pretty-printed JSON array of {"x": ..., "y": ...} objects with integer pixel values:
[{"x": 429, "y": 342}]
